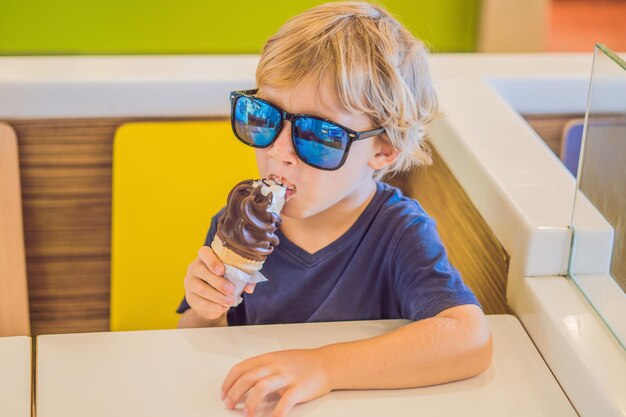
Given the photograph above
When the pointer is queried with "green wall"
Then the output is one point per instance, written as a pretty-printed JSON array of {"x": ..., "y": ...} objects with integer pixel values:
[{"x": 84, "y": 27}]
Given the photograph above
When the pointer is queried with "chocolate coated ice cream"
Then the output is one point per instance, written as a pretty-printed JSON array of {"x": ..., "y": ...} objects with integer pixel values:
[{"x": 251, "y": 219}]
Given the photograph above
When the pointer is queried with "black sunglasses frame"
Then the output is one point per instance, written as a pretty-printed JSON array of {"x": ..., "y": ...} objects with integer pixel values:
[{"x": 353, "y": 135}]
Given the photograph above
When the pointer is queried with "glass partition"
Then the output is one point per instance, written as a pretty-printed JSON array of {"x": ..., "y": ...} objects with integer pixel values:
[{"x": 598, "y": 254}]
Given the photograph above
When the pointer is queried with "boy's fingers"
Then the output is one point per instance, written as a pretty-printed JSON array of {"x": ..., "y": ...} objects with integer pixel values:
[
  {"x": 261, "y": 390},
  {"x": 286, "y": 403},
  {"x": 205, "y": 306},
  {"x": 237, "y": 371},
  {"x": 249, "y": 288},
  {"x": 219, "y": 283},
  {"x": 207, "y": 292},
  {"x": 208, "y": 257},
  {"x": 237, "y": 389}
]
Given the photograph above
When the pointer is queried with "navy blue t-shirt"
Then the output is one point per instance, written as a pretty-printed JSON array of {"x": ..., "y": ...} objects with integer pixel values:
[{"x": 390, "y": 264}]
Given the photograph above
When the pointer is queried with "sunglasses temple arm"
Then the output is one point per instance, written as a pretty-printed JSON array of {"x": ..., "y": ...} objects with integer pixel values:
[{"x": 370, "y": 133}]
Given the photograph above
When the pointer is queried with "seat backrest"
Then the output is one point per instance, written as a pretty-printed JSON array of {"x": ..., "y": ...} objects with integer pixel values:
[
  {"x": 570, "y": 144},
  {"x": 169, "y": 179},
  {"x": 14, "y": 315}
]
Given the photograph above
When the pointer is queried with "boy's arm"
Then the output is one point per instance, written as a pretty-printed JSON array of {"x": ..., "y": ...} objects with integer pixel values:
[
  {"x": 453, "y": 345},
  {"x": 456, "y": 344}
]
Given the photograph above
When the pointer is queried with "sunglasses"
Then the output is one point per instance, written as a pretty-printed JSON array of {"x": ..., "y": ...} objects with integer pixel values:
[{"x": 318, "y": 142}]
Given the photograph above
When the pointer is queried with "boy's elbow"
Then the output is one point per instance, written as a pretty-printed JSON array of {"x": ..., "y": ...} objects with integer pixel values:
[
  {"x": 484, "y": 353},
  {"x": 480, "y": 346},
  {"x": 477, "y": 345}
]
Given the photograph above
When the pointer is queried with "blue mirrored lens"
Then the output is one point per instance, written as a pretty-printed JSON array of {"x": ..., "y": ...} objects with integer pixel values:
[
  {"x": 255, "y": 122},
  {"x": 320, "y": 143}
]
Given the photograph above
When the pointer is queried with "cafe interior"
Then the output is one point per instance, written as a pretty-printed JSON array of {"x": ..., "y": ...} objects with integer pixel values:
[{"x": 116, "y": 149}]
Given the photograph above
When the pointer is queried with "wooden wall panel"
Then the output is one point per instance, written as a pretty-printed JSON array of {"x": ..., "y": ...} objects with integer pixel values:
[
  {"x": 66, "y": 188},
  {"x": 471, "y": 245},
  {"x": 66, "y": 191}
]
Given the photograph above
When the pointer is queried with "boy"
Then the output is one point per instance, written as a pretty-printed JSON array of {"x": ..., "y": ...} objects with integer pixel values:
[{"x": 343, "y": 94}]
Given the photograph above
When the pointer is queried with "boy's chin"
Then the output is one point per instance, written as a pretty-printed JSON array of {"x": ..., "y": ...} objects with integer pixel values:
[
  {"x": 293, "y": 210},
  {"x": 289, "y": 211}
]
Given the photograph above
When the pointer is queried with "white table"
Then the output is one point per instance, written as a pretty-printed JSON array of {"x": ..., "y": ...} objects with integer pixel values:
[
  {"x": 179, "y": 373},
  {"x": 15, "y": 380}
]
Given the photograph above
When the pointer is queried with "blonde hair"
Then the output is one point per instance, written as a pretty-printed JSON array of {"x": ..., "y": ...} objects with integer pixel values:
[{"x": 374, "y": 65}]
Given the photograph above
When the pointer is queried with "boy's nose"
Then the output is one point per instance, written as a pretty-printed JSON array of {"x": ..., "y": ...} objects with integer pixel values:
[{"x": 282, "y": 148}]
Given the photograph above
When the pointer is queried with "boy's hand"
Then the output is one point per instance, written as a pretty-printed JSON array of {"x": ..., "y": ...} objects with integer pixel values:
[
  {"x": 297, "y": 375},
  {"x": 208, "y": 293}
]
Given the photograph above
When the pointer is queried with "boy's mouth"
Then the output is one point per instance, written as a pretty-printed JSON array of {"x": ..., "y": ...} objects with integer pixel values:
[{"x": 291, "y": 188}]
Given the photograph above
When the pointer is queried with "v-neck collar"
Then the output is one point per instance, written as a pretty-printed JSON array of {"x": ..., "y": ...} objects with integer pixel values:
[{"x": 310, "y": 259}]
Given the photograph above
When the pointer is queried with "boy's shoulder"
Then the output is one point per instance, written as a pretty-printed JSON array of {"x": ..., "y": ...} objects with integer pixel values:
[
  {"x": 409, "y": 233},
  {"x": 394, "y": 206},
  {"x": 399, "y": 218}
]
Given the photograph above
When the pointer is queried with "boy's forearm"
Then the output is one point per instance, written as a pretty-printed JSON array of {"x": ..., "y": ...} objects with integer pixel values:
[
  {"x": 428, "y": 352},
  {"x": 191, "y": 319}
]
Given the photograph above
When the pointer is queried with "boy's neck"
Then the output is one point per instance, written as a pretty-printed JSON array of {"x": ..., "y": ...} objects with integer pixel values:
[{"x": 321, "y": 229}]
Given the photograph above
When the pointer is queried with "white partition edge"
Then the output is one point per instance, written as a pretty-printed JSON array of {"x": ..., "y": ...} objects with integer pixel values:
[
  {"x": 586, "y": 359},
  {"x": 16, "y": 376},
  {"x": 526, "y": 196},
  {"x": 520, "y": 188},
  {"x": 129, "y": 86}
]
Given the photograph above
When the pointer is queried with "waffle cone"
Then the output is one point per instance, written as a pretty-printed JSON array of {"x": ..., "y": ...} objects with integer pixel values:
[{"x": 229, "y": 257}]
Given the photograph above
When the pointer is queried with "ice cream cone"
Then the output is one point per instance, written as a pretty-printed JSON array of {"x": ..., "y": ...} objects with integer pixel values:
[
  {"x": 231, "y": 258},
  {"x": 245, "y": 233}
]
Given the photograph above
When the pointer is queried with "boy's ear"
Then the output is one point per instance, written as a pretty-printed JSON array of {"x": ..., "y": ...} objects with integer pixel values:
[{"x": 383, "y": 155}]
